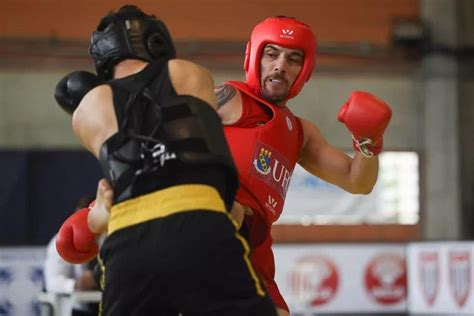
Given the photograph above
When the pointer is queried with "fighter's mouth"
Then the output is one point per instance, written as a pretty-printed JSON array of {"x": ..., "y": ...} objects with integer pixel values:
[{"x": 277, "y": 80}]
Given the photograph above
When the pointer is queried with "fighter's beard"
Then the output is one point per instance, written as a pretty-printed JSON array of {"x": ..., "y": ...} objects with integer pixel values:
[{"x": 272, "y": 98}]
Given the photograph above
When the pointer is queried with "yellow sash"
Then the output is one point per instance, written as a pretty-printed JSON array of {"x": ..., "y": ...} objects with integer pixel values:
[{"x": 180, "y": 198}]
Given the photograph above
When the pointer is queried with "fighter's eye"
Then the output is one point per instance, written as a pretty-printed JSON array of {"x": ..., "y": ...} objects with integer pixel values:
[
  {"x": 296, "y": 60},
  {"x": 271, "y": 54}
]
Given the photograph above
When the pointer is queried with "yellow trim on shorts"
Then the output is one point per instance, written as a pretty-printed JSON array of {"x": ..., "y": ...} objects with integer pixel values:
[
  {"x": 258, "y": 284},
  {"x": 162, "y": 203}
]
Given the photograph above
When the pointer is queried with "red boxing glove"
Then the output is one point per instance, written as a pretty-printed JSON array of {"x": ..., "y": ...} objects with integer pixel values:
[
  {"x": 75, "y": 242},
  {"x": 366, "y": 117}
]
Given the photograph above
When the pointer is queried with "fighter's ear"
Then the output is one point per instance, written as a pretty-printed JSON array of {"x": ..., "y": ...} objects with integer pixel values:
[
  {"x": 247, "y": 56},
  {"x": 157, "y": 46}
]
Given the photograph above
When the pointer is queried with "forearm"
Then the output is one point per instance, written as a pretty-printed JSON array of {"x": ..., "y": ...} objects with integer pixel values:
[
  {"x": 363, "y": 173},
  {"x": 98, "y": 218}
]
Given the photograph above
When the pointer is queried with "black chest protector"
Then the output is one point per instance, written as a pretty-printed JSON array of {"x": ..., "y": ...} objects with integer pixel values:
[{"x": 164, "y": 139}]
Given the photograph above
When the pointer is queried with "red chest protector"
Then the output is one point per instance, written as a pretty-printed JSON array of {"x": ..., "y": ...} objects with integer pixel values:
[{"x": 265, "y": 155}]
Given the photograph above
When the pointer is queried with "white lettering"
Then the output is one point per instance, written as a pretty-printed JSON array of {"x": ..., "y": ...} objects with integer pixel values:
[
  {"x": 275, "y": 167},
  {"x": 158, "y": 150},
  {"x": 286, "y": 180},
  {"x": 165, "y": 157}
]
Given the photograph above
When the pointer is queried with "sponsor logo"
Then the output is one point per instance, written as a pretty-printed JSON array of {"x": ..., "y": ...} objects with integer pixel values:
[
  {"x": 161, "y": 154},
  {"x": 314, "y": 280},
  {"x": 428, "y": 264},
  {"x": 271, "y": 204},
  {"x": 154, "y": 157},
  {"x": 286, "y": 33},
  {"x": 272, "y": 168},
  {"x": 460, "y": 275},
  {"x": 272, "y": 201},
  {"x": 262, "y": 163},
  {"x": 386, "y": 280}
]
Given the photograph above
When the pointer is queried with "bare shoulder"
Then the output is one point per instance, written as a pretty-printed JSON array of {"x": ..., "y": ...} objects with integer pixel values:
[
  {"x": 311, "y": 133},
  {"x": 93, "y": 101},
  {"x": 186, "y": 72},
  {"x": 88, "y": 119},
  {"x": 186, "y": 64},
  {"x": 192, "y": 79},
  {"x": 97, "y": 92}
]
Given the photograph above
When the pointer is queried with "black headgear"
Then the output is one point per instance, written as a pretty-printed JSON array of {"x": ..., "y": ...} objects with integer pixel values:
[{"x": 129, "y": 33}]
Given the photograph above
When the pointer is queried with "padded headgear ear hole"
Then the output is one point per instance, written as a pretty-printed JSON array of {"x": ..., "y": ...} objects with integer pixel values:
[
  {"x": 157, "y": 47},
  {"x": 247, "y": 57}
]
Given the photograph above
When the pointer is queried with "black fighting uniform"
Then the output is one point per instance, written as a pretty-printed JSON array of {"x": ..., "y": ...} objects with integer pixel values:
[{"x": 172, "y": 247}]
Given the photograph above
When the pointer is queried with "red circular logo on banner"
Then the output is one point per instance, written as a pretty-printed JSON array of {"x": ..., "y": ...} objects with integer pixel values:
[
  {"x": 314, "y": 280},
  {"x": 386, "y": 279}
]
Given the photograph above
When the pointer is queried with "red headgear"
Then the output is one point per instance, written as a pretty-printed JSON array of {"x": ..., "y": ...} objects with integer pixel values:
[{"x": 282, "y": 31}]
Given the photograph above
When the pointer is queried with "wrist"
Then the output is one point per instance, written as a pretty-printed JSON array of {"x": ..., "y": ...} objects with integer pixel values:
[
  {"x": 97, "y": 220},
  {"x": 366, "y": 146}
]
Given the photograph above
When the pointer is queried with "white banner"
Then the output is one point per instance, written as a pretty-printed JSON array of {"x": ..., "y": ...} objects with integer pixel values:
[
  {"x": 394, "y": 199},
  {"x": 441, "y": 277},
  {"x": 343, "y": 277},
  {"x": 21, "y": 279},
  {"x": 321, "y": 202},
  {"x": 336, "y": 278}
]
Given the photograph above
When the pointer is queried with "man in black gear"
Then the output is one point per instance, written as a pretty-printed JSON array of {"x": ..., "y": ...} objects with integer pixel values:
[{"x": 171, "y": 246}]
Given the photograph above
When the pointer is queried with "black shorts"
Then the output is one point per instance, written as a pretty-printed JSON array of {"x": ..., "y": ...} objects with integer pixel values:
[{"x": 190, "y": 262}]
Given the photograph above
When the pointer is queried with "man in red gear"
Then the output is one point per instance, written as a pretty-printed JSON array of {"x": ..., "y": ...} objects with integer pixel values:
[{"x": 267, "y": 140}]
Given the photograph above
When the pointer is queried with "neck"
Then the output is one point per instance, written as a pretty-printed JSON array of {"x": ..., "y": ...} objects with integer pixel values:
[
  {"x": 128, "y": 67},
  {"x": 280, "y": 104}
]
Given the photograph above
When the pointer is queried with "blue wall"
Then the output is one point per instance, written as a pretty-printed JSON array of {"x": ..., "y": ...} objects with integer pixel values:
[{"x": 39, "y": 190}]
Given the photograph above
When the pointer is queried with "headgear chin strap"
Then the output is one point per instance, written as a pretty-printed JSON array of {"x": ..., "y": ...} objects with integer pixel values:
[
  {"x": 129, "y": 33},
  {"x": 282, "y": 31}
]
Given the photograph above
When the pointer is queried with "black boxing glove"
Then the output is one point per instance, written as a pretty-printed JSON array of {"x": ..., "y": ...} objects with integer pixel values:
[{"x": 73, "y": 87}]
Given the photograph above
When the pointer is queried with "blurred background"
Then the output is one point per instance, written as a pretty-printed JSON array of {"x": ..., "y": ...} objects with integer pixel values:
[{"x": 405, "y": 248}]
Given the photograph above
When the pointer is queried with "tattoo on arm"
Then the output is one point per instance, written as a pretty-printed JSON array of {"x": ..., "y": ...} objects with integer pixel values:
[{"x": 224, "y": 93}]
